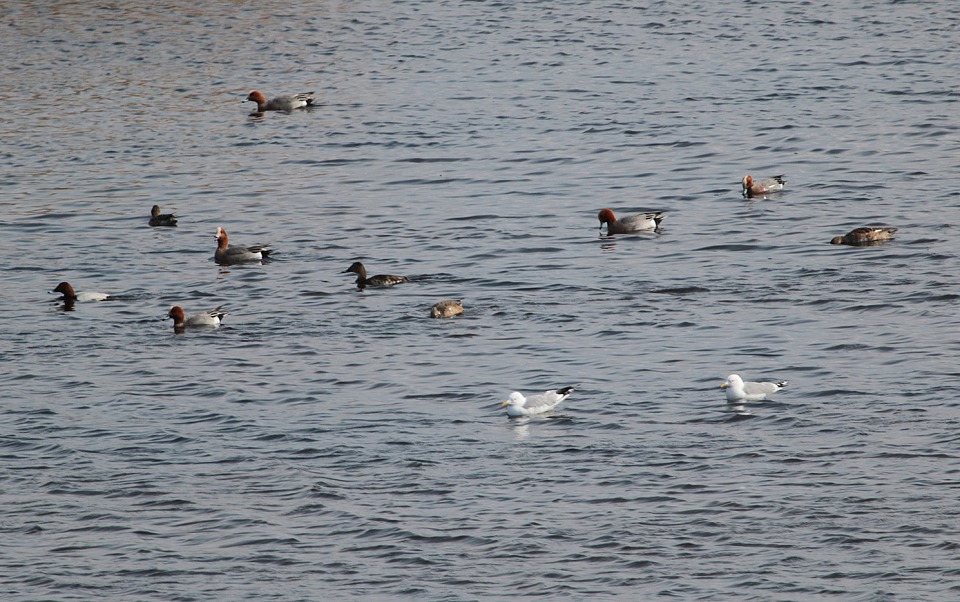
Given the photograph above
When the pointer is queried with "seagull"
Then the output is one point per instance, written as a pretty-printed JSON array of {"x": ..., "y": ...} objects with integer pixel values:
[
  {"x": 518, "y": 405},
  {"x": 737, "y": 390}
]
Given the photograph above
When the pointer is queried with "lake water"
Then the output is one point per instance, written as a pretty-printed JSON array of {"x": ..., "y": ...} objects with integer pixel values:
[{"x": 334, "y": 444}]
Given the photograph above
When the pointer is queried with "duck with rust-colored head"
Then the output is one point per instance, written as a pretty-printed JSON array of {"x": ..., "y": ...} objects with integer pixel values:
[
  {"x": 752, "y": 188},
  {"x": 642, "y": 222},
  {"x": 281, "y": 103},
  {"x": 226, "y": 255},
  {"x": 205, "y": 319},
  {"x": 70, "y": 296}
]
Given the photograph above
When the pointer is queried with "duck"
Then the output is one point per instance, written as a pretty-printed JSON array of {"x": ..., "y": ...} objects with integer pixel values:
[
  {"x": 865, "y": 236},
  {"x": 162, "y": 219},
  {"x": 69, "y": 296},
  {"x": 204, "y": 319},
  {"x": 632, "y": 223},
  {"x": 226, "y": 254},
  {"x": 738, "y": 390},
  {"x": 281, "y": 103},
  {"x": 518, "y": 405},
  {"x": 753, "y": 187},
  {"x": 447, "y": 309},
  {"x": 380, "y": 281}
]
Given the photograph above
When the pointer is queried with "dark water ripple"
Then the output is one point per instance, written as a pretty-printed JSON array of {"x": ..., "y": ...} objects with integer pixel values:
[{"x": 334, "y": 443}]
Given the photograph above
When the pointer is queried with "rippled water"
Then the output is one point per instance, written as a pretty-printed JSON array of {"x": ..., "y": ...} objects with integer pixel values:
[{"x": 328, "y": 443}]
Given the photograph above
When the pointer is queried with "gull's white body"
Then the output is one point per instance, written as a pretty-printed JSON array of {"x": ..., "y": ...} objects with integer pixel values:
[
  {"x": 738, "y": 390},
  {"x": 518, "y": 405}
]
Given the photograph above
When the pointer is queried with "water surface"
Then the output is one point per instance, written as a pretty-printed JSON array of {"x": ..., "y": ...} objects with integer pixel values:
[{"x": 330, "y": 443}]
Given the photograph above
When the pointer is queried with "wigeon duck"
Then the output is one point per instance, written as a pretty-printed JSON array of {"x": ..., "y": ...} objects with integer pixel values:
[
  {"x": 737, "y": 390},
  {"x": 363, "y": 281},
  {"x": 518, "y": 405},
  {"x": 161, "y": 219},
  {"x": 864, "y": 236},
  {"x": 205, "y": 319},
  {"x": 631, "y": 223},
  {"x": 226, "y": 254},
  {"x": 70, "y": 296},
  {"x": 281, "y": 103},
  {"x": 752, "y": 187},
  {"x": 447, "y": 309}
]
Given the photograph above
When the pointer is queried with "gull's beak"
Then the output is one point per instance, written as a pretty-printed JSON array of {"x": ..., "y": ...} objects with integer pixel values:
[
  {"x": 724, "y": 385},
  {"x": 506, "y": 403}
]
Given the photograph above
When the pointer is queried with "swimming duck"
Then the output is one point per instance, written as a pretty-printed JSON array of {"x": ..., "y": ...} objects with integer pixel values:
[
  {"x": 161, "y": 219},
  {"x": 446, "y": 309},
  {"x": 226, "y": 254},
  {"x": 281, "y": 103},
  {"x": 363, "y": 281},
  {"x": 864, "y": 236},
  {"x": 205, "y": 319},
  {"x": 69, "y": 296},
  {"x": 631, "y": 223},
  {"x": 753, "y": 188}
]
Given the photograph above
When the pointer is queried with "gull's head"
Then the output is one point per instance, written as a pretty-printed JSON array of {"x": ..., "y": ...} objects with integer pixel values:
[
  {"x": 733, "y": 380},
  {"x": 516, "y": 400}
]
